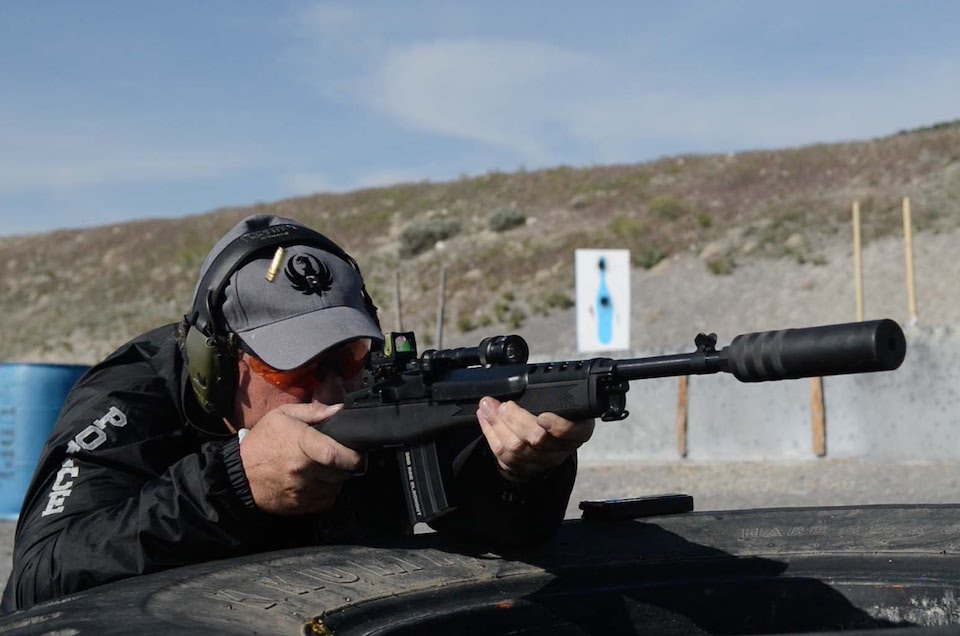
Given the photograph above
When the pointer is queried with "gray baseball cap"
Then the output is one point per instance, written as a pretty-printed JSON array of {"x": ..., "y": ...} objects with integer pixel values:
[{"x": 313, "y": 303}]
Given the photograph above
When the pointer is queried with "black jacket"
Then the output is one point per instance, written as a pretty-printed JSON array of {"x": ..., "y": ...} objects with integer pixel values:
[{"x": 126, "y": 485}]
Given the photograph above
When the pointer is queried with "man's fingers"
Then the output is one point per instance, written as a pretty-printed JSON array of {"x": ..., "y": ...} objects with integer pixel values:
[
  {"x": 526, "y": 444},
  {"x": 547, "y": 431},
  {"x": 311, "y": 413},
  {"x": 565, "y": 431},
  {"x": 293, "y": 468},
  {"x": 326, "y": 451},
  {"x": 501, "y": 439}
]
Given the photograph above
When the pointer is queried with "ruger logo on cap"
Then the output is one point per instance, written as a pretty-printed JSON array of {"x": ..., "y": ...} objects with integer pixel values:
[{"x": 308, "y": 274}]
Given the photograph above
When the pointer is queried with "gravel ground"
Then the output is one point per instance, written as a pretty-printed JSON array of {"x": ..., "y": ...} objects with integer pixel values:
[{"x": 728, "y": 486}]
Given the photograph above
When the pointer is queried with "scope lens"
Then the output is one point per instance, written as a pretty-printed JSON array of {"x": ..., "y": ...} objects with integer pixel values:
[{"x": 515, "y": 350}]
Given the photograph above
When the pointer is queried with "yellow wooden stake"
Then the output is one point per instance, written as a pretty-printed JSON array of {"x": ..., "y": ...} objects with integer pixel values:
[
  {"x": 682, "y": 416},
  {"x": 857, "y": 260},
  {"x": 908, "y": 244},
  {"x": 818, "y": 417}
]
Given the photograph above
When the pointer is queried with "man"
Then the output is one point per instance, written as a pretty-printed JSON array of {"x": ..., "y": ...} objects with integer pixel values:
[{"x": 145, "y": 469}]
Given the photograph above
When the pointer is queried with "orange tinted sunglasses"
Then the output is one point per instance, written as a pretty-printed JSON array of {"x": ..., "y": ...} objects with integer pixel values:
[{"x": 345, "y": 361}]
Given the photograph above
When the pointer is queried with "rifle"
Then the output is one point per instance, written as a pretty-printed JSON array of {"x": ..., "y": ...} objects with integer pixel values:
[{"x": 408, "y": 402}]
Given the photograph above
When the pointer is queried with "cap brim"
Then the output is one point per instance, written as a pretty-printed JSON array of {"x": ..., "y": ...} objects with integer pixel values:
[{"x": 290, "y": 343}]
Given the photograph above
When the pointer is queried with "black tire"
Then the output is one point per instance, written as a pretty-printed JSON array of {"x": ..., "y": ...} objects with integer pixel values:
[{"x": 751, "y": 571}]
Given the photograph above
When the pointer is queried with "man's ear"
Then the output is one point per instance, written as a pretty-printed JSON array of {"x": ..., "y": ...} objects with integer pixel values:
[{"x": 243, "y": 380}]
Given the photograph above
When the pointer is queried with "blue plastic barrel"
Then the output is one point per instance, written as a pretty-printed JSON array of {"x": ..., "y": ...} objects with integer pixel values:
[{"x": 31, "y": 396}]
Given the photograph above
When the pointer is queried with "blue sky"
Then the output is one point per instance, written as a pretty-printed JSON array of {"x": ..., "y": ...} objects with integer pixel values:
[{"x": 117, "y": 110}]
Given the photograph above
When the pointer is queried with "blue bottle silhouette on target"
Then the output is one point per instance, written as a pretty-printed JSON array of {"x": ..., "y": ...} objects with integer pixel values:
[
  {"x": 603, "y": 299},
  {"x": 604, "y": 306}
]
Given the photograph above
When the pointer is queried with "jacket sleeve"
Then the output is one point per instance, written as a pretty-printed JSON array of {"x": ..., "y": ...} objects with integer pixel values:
[
  {"x": 116, "y": 524},
  {"x": 123, "y": 488},
  {"x": 493, "y": 510}
]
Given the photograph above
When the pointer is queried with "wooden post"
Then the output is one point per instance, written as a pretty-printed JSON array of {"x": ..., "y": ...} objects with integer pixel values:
[
  {"x": 682, "y": 416},
  {"x": 396, "y": 278},
  {"x": 908, "y": 244},
  {"x": 857, "y": 260},
  {"x": 440, "y": 306},
  {"x": 819, "y": 419}
]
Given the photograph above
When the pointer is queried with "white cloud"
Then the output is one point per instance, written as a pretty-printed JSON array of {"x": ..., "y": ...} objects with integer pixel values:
[
  {"x": 542, "y": 101},
  {"x": 774, "y": 115},
  {"x": 333, "y": 43},
  {"x": 503, "y": 93},
  {"x": 331, "y": 21}
]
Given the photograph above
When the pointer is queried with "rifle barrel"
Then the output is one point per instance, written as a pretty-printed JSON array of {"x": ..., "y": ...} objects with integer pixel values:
[{"x": 669, "y": 366}]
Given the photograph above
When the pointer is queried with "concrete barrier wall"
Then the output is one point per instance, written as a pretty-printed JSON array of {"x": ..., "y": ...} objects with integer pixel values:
[
  {"x": 910, "y": 413},
  {"x": 650, "y": 430},
  {"x": 732, "y": 420}
]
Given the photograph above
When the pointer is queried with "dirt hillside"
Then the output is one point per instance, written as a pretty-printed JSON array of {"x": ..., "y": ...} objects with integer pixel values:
[{"x": 725, "y": 243}]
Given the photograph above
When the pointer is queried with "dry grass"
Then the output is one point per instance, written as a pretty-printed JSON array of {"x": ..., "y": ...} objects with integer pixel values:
[{"x": 75, "y": 295}]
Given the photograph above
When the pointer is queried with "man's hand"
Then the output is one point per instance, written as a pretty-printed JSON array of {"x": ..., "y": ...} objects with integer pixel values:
[
  {"x": 526, "y": 445},
  {"x": 293, "y": 468}
]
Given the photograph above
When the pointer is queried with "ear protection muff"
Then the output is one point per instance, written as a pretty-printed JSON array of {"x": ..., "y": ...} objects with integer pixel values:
[{"x": 209, "y": 348}]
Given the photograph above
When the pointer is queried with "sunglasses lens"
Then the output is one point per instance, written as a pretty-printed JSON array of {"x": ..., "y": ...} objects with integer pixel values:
[
  {"x": 352, "y": 357},
  {"x": 346, "y": 361},
  {"x": 278, "y": 377}
]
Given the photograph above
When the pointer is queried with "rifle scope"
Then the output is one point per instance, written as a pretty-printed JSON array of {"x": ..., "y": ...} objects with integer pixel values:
[
  {"x": 494, "y": 350},
  {"x": 876, "y": 345}
]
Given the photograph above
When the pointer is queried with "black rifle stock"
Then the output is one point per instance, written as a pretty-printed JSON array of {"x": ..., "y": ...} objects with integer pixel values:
[{"x": 412, "y": 402}]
